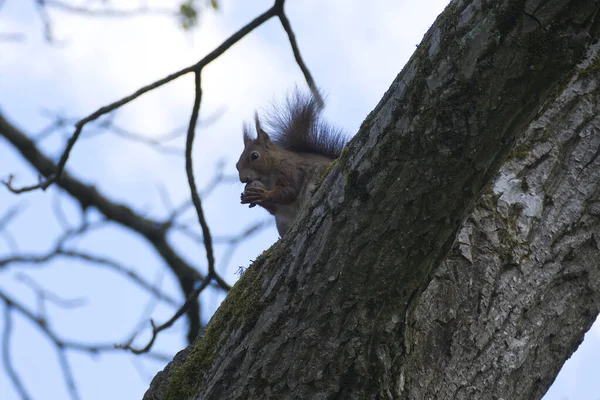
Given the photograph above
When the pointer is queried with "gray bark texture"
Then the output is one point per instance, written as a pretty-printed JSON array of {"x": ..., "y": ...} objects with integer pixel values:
[{"x": 452, "y": 251}]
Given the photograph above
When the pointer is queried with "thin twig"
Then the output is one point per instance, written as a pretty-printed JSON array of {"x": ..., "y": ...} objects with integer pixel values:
[
  {"x": 10, "y": 214},
  {"x": 234, "y": 241},
  {"x": 148, "y": 141},
  {"x": 59, "y": 213},
  {"x": 43, "y": 325},
  {"x": 217, "y": 179},
  {"x": 94, "y": 259},
  {"x": 67, "y": 372},
  {"x": 41, "y": 9},
  {"x": 45, "y": 294},
  {"x": 165, "y": 197},
  {"x": 156, "y": 142},
  {"x": 285, "y": 22},
  {"x": 12, "y": 37},
  {"x": 190, "y": 172},
  {"x": 10, "y": 241},
  {"x": 148, "y": 309},
  {"x": 58, "y": 122},
  {"x": 106, "y": 12},
  {"x": 6, "y": 359},
  {"x": 157, "y": 329},
  {"x": 141, "y": 370}
]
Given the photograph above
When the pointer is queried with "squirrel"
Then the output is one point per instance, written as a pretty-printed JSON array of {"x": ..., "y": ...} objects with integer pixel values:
[{"x": 282, "y": 168}]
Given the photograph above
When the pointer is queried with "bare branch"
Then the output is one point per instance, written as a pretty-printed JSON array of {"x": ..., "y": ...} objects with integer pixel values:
[
  {"x": 42, "y": 324},
  {"x": 155, "y": 232},
  {"x": 59, "y": 213},
  {"x": 6, "y": 359},
  {"x": 158, "y": 143},
  {"x": 10, "y": 241},
  {"x": 5, "y": 220},
  {"x": 43, "y": 6},
  {"x": 10, "y": 214},
  {"x": 107, "y": 124},
  {"x": 57, "y": 123},
  {"x": 275, "y": 10},
  {"x": 234, "y": 241},
  {"x": 107, "y": 12},
  {"x": 12, "y": 37},
  {"x": 85, "y": 227},
  {"x": 141, "y": 370},
  {"x": 157, "y": 329},
  {"x": 190, "y": 174},
  {"x": 226, "y": 239},
  {"x": 46, "y": 21},
  {"x": 165, "y": 197},
  {"x": 111, "y": 264},
  {"x": 147, "y": 312},
  {"x": 45, "y": 294},
  {"x": 154, "y": 144},
  {"x": 218, "y": 178},
  {"x": 56, "y": 175},
  {"x": 67, "y": 372},
  {"x": 285, "y": 22}
]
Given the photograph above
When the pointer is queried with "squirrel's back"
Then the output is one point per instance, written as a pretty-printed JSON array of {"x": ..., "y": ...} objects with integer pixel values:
[{"x": 298, "y": 126}]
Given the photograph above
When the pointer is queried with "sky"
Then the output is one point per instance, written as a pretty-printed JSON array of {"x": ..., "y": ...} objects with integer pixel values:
[{"x": 354, "y": 50}]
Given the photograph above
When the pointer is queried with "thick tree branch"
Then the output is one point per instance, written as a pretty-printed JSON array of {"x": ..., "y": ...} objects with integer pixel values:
[
  {"x": 521, "y": 286},
  {"x": 324, "y": 312},
  {"x": 55, "y": 173},
  {"x": 155, "y": 232}
]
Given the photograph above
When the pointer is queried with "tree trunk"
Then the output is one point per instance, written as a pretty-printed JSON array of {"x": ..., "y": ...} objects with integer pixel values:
[{"x": 370, "y": 296}]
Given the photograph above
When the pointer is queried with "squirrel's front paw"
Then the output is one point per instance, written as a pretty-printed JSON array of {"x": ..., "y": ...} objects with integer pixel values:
[
  {"x": 254, "y": 196},
  {"x": 254, "y": 193}
]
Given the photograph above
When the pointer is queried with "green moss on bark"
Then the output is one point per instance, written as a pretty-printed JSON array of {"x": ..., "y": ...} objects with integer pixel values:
[
  {"x": 241, "y": 304},
  {"x": 594, "y": 67},
  {"x": 521, "y": 151}
]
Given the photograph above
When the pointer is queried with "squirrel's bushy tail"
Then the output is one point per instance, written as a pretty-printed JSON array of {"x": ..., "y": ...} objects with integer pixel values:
[{"x": 298, "y": 126}]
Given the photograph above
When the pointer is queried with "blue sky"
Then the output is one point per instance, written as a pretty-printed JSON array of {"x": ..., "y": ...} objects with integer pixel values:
[{"x": 354, "y": 50}]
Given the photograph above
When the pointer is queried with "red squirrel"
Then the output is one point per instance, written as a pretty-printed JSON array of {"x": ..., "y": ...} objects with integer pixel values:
[{"x": 282, "y": 168}]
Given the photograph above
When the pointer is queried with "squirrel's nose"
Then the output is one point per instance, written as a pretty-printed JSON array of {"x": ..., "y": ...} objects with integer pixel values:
[{"x": 244, "y": 179}]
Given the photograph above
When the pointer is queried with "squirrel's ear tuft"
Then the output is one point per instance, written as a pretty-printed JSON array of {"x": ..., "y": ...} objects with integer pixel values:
[
  {"x": 261, "y": 136},
  {"x": 247, "y": 138}
]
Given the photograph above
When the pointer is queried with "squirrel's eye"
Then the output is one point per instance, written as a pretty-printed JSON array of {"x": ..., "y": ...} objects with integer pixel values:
[{"x": 254, "y": 156}]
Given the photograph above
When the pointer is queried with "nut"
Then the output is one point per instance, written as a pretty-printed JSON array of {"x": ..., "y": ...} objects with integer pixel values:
[{"x": 253, "y": 184}]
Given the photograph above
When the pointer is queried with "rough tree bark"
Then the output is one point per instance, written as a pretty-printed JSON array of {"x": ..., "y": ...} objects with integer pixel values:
[{"x": 370, "y": 295}]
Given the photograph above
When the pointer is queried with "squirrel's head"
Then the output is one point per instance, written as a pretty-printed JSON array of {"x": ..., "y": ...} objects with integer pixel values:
[{"x": 257, "y": 160}]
